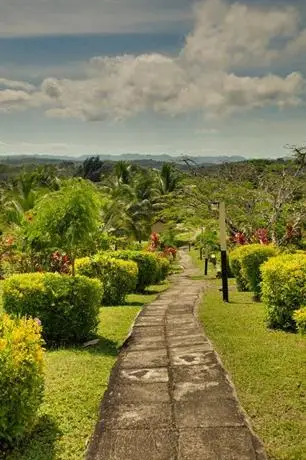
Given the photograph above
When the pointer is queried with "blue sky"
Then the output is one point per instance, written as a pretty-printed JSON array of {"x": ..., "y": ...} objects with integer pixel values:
[{"x": 152, "y": 76}]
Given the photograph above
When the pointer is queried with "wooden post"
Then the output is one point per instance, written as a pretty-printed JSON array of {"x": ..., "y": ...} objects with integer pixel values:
[{"x": 206, "y": 262}]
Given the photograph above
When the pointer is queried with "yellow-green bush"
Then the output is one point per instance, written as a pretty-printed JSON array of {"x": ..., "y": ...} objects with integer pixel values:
[
  {"x": 163, "y": 268},
  {"x": 148, "y": 266},
  {"x": 284, "y": 288},
  {"x": 246, "y": 262},
  {"x": 251, "y": 261},
  {"x": 236, "y": 267},
  {"x": 119, "y": 277},
  {"x": 299, "y": 317},
  {"x": 21, "y": 377},
  {"x": 67, "y": 306}
]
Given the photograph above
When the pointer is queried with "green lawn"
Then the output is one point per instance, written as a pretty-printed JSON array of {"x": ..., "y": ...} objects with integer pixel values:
[
  {"x": 267, "y": 367},
  {"x": 75, "y": 382}
]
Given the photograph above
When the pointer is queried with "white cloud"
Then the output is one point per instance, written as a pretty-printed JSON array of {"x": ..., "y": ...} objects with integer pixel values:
[
  {"x": 202, "y": 77},
  {"x": 19, "y": 85},
  {"x": 229, "y": 35}
]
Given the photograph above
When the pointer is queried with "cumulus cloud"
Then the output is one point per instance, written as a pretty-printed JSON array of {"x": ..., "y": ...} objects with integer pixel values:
[
  {"x": 211, "y": 73},
  {"x": 19, "y": 95},
  {"x": 229, "y": 35},
  {"x": 19, "y": 85}
]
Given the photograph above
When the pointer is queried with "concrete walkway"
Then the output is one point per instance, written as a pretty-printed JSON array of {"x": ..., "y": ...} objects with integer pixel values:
[{"x": 169, "y": 397}]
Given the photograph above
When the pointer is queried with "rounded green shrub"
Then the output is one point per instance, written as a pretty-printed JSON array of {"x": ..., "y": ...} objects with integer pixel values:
[
  {"x": 251, "y": 260},
  {"x": 284, "y": 289},
  {"x": 148, "y": 266},
  {"x": 299, "y": 317},
  {"x": 236, "y": 268},
  {"x": 67, "y": 306},
  {"x": 246, "y": 261},
  {"x": 163, "y": 268},
  {"x": 21, "y": 377},
  {"x": 119, "y": 277}
]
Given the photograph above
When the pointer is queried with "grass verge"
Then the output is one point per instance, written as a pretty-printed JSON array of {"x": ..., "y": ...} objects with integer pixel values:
[
  {"x": 267, "y": 367},
  {"x": 76, "y": 380}
]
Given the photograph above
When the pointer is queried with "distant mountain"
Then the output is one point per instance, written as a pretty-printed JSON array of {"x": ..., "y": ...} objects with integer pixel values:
[{"x": 132, "y": 157}]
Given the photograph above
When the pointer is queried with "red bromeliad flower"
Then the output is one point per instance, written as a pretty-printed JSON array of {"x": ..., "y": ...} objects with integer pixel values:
[
  {"x": 59, "y": 262},
  {"x": 155, "y": 242},
  {"x": 169, "y": 251},
  {"x": 262, "y": 236},
  {"x": 292, "y": 233},
  {"x": 240, "y": 238}
]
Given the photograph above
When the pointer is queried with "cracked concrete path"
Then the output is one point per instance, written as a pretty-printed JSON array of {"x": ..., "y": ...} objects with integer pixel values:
[{"x": 169, "y": 398}]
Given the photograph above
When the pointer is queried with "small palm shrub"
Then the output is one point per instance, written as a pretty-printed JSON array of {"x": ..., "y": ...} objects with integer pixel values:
[
  {"x": 284, "y": 289},
  {"x": 119, "y": 277},
  {"x": 67, "y": 306},
  {"x": 148, "y": 266},
  {"x": 21, "y": 377},
  {"x": 299, "y": 317}
]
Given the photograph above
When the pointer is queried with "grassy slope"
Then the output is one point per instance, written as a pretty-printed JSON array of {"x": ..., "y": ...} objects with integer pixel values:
[
  {"x": 75, "y": 382},
  {"x": 267, "y": 367}
]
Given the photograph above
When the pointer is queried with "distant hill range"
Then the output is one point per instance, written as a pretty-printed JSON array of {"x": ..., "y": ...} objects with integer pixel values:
[{"x": 144, "y": 160}]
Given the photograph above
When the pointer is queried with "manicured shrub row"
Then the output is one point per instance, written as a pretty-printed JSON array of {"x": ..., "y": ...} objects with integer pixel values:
[
  {"x": 163, "y": 268},
  {"x": 21, "y": 377},
  {"x": 246, "y": 262},
  {"x": 236, "y": 267},
  {"x": 119, "y": 277},
  {"x": 299, "y": 317},
  {"x": 67, "y": 306},
  {"x": 284, "y": 288},
  {"x": 152, "y": 268}
]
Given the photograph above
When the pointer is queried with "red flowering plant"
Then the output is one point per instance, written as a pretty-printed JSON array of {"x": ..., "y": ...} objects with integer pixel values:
[
  {"x": 293, "y": 234},
  {"x": 240, "y": 238},
  {"x": 262, "y": 236},
  {"x": 156, "y": 245},
  {"x": 170, "y": 252},
  {"x": 154, "y": 242},
  {"x": 60, "y": 262}
]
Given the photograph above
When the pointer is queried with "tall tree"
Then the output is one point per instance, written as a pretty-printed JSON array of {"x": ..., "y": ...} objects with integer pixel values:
[{"x": 66, "y": 219}]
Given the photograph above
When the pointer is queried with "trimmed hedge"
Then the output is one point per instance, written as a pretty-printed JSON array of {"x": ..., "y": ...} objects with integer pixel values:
[
  {"x": 299, "y": 317},
  {"x": 67, "y": 306},
  {"x": 21, "y": 377},
  {"x": 119, "y": 277},
  {"x": 148, "y": 266},
  {"x": 163, "y": 268},
  {"x": 246, "y": 262},
  {"x": 236, "y": 267},
  {"x": 284, "y": 289}
]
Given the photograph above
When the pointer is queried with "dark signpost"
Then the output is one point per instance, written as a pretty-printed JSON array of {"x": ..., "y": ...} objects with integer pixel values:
[{"x": 224, "y": 273}]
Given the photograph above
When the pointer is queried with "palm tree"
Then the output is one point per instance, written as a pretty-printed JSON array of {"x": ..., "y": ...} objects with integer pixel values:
[
  {"x": 168, "y": 179},
  {"x": 20, "y": 198},
  {"x": 133, "y": 199}
]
